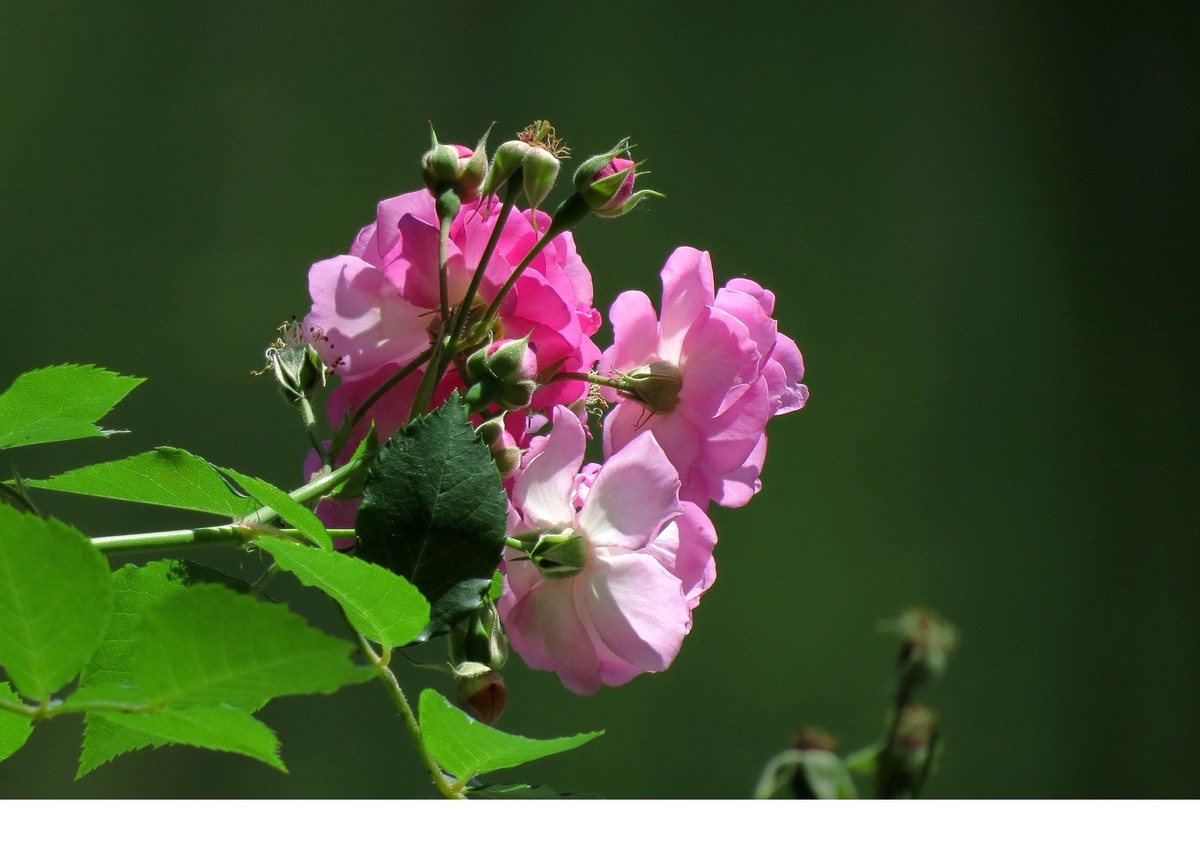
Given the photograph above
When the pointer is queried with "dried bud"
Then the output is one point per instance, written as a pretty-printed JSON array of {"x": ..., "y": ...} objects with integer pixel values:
[
  {"x": 809, "y": 771},
  {"x": 481, "y": 692},
  {"x": 298, "y": 361},
  {"x": 656, "y": 386},
  {"x": 535, "y": 153},
  {"x": 907, "y": 761}
]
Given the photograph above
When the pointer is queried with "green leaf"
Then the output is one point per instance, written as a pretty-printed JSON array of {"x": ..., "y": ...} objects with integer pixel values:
[
  {"x": 222, "y": 728},
  {"x": 14, "y": 728},
  {"x": 209, "y": 646},
  {"x": 465, "y": 747},
  {"x": 497, "y": 587},
  {"x": 55, "y": 602},
  {"x": 135, "y": 589},
  {"x": 434, "y": 511},
  {"x": 293, "y": 513},
  {"x": 166, "y": 476},
  {"x": 60, "y": 403},
  {"x": 381, "y": 605}
]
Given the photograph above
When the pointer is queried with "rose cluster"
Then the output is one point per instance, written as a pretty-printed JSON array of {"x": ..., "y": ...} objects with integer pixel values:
[{"x": 454, "y": 288}]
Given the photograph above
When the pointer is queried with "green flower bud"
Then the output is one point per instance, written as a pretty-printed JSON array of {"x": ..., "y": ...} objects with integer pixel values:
[
  {"x": 656, "y": 386},
  {"x": 446, "y": 167},
  {"x": 605, "y": 183},
  {"x": 558, "y": 553}
]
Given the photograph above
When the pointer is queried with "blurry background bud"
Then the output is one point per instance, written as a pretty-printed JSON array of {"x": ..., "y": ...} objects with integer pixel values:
[
  {"x": 480, "y": 692},
  {"x": 927, "y": 644},
  {"x": 808, "y": 771},
  {"x": 907, "y": 761}
]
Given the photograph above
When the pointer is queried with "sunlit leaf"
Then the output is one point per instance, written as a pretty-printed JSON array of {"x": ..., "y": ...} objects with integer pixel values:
[
  {"x": 209, "y": 646},
  {"x": 55, "y": 602},
  {"x": 293, "y": 513},
  {"x": 60, "y": 403},
  {"x": 381, "y": 605},
  {"x": 465, "y": 747},
  {"x": 14, "y": 728},
  {"x": 166, "y": 476},
  {"x": 222, "y": 728}
]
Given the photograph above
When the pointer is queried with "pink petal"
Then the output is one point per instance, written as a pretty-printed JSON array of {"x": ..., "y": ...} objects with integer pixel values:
[
  {"x": 718, "y": 361},
  {"x": 736, "y": 488},
  {"x": 685, "y": 548},
  {"x": 687, "y": 281},
  {"x": 544, "y": 627},
  {"x": 635, "y": 607},
  {"x": 543, "y": 491},
  {"x": 635, "y": 333},
  {"x": 389, "y": 213},
  {"x": 635, "y": 493}
]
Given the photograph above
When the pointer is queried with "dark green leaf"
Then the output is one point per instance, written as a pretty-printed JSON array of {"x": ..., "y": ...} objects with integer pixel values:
[
  {"x": 210, "y": 646},
  {"x": 55, "y": 602},
  {"x": 381, "y": 605},
  {"x": 434, "y": 512},
  {"x": 61, "y": 403},
  {"x": 465, "y": 747},
  {"x": 293, "y": 513},
  {"x": 221, "y": 728},
  {"x": 14, "y": 728},
  {"x": 166, "y": 476}
]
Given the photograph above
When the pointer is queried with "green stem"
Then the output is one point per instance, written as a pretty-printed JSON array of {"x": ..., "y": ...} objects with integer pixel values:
[
  {"x": 594, "y": 379},
  {"x": 445, "y": 221},
  {"x": 237, "y": 532},
  {"x": 452, "y": 792},
  {"x": 510, "y": 199}
]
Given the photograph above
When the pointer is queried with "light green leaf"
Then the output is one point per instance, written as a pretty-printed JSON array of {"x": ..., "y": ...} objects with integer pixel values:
[
  {"x": 222, "y": 728},
  {"x": 166, "y": 476},
  {"x": 55, "y": 602},
  {"x": 14, "y": 728},
  {"x": 293, "y": 513},
  {"x": 465, "y": 747},
  {"x": 381, "y": 605},
  {"x": 60, "y": 403},
  {"x": 135, "y": 589},
  {"x": 209, "y": 645},
  {"x": 434, "y": 511}
]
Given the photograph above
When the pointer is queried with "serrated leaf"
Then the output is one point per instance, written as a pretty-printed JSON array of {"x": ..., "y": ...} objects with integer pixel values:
[
  {"x": 14, "y": 729},
  {"x": 135, "y": 589},
  {"x": 434, "y": 511},
  {"x": 165, "y": 476},
  {"x": 60, "y": 403},
  {"x": 55, "y": 602},
  {"x": 289, "y": 510},
  {"x": 465, "y": 747},
  {"x": 497, "y": 587},
  {"x": 381, "y": 605},
  {"x": 222, "y": 728},
  {"x": 211, "y": 646}
]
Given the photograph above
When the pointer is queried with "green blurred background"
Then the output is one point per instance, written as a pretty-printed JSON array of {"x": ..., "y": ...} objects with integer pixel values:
[{"x": 981, "y": 223}]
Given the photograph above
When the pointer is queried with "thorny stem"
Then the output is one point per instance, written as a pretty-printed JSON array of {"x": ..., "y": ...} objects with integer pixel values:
[{"x": 452, "y": 792}]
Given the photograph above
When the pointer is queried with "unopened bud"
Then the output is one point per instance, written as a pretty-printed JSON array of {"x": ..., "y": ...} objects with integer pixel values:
[
  {"x": 454, "y": 167},
  {"x": 503, "y": 374},
  {"x": 481, "y": 692},
  {"x": 606, "y": 183},
  {"x": 656, "y": 386},
  {"x": 480, "y": 638}
]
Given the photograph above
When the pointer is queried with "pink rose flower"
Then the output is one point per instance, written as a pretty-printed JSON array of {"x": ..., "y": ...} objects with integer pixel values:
[
  {"x": 637, "y": 561},
  {"x": 712, "y": 371}
]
